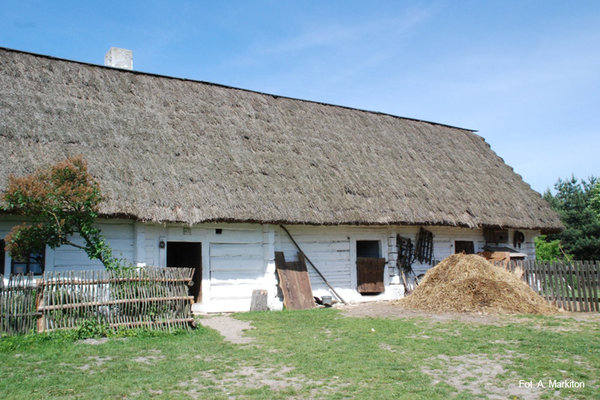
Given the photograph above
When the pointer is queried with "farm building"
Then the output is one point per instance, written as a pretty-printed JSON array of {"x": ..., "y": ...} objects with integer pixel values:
[{"x": 204, "y": 175}]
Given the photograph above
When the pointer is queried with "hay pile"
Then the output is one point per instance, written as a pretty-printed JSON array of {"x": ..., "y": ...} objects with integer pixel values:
[{"x": 469, "y": 283}]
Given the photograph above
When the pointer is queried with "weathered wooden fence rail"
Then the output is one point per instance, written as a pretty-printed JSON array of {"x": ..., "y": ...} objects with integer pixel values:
[
  {"x": 573, "y": 286},
  {"x": 157, "y": 298}
]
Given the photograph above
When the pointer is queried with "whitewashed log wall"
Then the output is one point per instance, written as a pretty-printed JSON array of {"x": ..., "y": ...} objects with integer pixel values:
[{"x": 241, "y": 258}]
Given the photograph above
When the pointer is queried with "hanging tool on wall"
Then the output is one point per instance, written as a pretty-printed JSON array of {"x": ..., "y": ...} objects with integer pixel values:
[
  {"x": 518, "y": 239},
  {"x": 408, "y": 253},
  {"x": 406, "y": 257},
  {"x": 424, "y": 247}
]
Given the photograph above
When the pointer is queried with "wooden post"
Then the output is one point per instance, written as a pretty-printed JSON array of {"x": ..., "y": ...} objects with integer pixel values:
[
  {"x": 560, "y": 285},
  {"x": 571, "y": 281},
  {"x": 552, "y": 282},
  {"x": 535, "y": 275},
  {"x": 39, "y": 302},
  {"x": 585, "y": 281},
  {"x": 595, "y": 279},
  {"x": 542, "y": 278},
  {"x": 577, "y": 287}
]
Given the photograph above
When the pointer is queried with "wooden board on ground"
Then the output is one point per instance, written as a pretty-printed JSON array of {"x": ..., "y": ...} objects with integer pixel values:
[{"x": 294, "y": 283}]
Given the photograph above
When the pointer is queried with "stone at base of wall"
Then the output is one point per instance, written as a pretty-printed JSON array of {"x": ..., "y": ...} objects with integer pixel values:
[
  {"x": 395, "y": 291},
  {"x": 259, "y": 300}
]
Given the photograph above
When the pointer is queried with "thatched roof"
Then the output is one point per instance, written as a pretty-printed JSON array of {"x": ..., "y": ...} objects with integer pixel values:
[{"x": 166, "y": 149}]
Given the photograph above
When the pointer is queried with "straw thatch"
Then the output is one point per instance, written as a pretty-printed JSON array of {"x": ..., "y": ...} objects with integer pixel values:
[
  {"x": 469, "y": 283},
  {"x": 166, "y": 149}
]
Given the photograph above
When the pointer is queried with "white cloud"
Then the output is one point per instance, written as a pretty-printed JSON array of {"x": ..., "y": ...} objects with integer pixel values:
[{"x": 333, "y": 35}]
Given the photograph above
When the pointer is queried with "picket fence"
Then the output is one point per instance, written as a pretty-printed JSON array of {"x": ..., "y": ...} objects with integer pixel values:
[
  {"x": 572, "y": 286},
  {"x": 155, "y": 298}
]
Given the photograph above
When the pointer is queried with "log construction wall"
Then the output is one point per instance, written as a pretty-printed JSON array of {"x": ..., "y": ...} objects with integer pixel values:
[{"x": 239, "y": 258}]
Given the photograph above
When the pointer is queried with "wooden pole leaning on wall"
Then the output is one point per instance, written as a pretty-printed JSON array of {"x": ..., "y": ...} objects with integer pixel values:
[{"x": 313, "y": 265}]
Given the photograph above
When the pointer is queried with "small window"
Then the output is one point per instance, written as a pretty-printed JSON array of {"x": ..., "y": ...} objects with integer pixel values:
[
  {"x": 33, "y": 264},
  {"x": 367, "y": 249},
  {"x": 463, "y": 246},
  {"x": 495, "y": 235}
]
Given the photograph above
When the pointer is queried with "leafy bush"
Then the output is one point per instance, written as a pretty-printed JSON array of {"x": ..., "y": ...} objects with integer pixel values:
[
  {"x": 91, "y": 328},
  {"x": 549, "y": 250}
]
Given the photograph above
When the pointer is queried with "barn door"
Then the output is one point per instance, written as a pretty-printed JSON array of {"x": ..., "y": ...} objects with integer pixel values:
[{"x": 369, "y": 274}]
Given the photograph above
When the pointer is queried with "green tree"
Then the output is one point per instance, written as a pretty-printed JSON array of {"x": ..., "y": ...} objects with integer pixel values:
[
  {"x": 57, "y": 202},
  {"x": 574, "y": 202},
  {"x": 595, "y": 200}
]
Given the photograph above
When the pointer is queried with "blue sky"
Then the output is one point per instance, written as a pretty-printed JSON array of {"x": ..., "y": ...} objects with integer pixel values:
[{"x": 525, "y": 74}]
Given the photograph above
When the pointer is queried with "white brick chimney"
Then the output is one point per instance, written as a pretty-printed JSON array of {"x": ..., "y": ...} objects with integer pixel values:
[{"x": 119, "y": 58}]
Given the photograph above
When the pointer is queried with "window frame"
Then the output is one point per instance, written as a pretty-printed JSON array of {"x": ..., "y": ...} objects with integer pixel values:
[
  {"x": 31, "y": 260},
  {"x": 372, "y": 242},
  {"x": 464, "y": 243}
]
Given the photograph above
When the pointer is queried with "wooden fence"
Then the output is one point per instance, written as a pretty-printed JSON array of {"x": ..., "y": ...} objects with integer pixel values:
[
  {"x": 573, "y": 286},
  {"x": 149, "y": 297},
  {"x": 17, "y": 304}
]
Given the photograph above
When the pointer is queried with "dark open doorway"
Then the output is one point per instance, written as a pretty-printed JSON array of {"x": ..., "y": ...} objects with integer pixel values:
[{"x": 187, "y": 255}]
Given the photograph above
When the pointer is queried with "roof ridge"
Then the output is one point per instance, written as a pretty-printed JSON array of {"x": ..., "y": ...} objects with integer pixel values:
[{"x": 234, "y": 88}]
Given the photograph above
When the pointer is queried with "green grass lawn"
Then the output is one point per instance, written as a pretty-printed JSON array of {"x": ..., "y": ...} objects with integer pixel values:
[{"x": 315, "y": 354}]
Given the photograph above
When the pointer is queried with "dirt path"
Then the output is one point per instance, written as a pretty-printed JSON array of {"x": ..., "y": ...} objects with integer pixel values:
[{"x": 230, "y": 328}]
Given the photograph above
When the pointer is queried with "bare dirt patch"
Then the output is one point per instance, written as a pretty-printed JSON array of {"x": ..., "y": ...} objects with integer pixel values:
[
  {"x": 153, "y": 356},
  {"x": 387, "y": 347},
  {"x": 230, "y": 328},
  {"x": 148, "y": 359},
  {"x": 477, "y": 374},
  {"x": 95, "y": 361},
  {"x": 94, "y": 341},
  {"x": 244, "y": 377},
  {"x": 99, "y": 361}
]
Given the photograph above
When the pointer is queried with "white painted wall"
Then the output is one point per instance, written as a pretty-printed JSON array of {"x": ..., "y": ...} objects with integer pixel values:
[
  {"x": 241, "y": 258},
  {"x": 332, "y": 249},
  {"x": 235, "y": 262},
  {"x": 119, "y": 235},
  {"x": 443, "y": 242},
  {"x": 444, "y": 238},
  {"x": 237, "y": 267}
]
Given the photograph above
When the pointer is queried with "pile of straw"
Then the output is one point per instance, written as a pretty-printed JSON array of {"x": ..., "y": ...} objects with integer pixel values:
[{"x": 469, "y": 283}]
